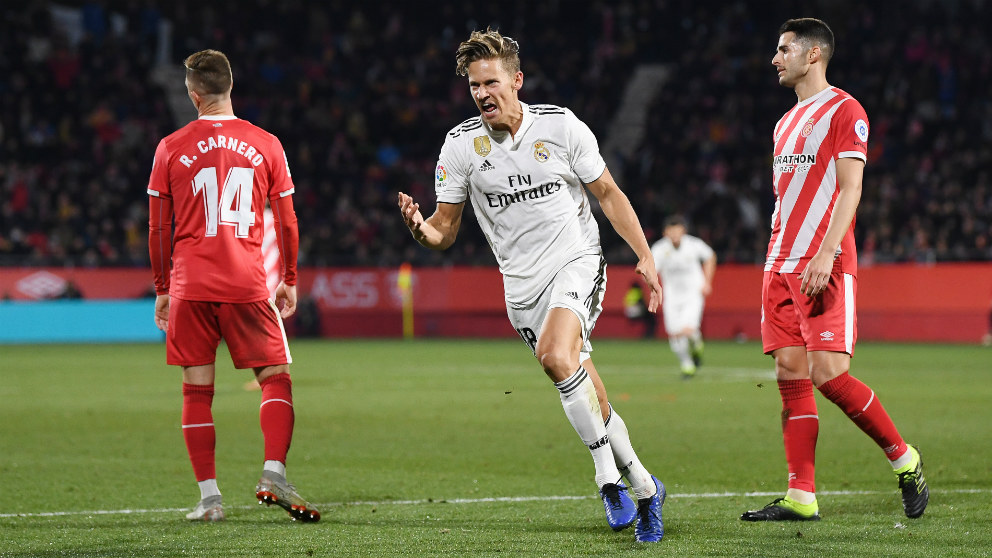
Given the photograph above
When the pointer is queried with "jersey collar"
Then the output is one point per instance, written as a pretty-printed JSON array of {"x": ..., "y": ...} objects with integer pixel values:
[
  {"x": 218, "y": 117},
  {"x": 503, "y": 138},
  {"x": 816, "y": 96}
]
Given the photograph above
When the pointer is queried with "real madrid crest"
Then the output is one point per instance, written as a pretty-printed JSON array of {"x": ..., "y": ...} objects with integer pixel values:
[
  {"x": 482, "y": 145},
  {"x": 541, "y": 153}
]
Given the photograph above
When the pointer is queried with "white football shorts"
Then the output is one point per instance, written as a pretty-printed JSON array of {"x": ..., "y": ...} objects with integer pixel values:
[
  {"x": 681, "y": 311},
  {"x": 580, "y": 287}
]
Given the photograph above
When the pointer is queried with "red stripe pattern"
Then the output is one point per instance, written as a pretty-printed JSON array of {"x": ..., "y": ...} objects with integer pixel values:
[{"x": 809, "y": 139}]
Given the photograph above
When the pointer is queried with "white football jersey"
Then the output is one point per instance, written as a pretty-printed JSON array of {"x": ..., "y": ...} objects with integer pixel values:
[
  {"x": 528, "y": 192},
  {"x": 681, "y": 269}
]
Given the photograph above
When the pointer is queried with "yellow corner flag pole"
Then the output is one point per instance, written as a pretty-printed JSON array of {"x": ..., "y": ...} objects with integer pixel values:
[{"x": 404, "y": 281}]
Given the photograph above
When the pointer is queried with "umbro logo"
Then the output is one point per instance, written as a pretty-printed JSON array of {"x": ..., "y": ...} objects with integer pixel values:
[
  {"x": 573, "y": 295},
  {"x": 827, "y": 336},
  {"x": 486, "y": 165}
]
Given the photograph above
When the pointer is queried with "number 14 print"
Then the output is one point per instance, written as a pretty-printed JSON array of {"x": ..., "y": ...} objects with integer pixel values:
[{"x": 234, "y": 206}]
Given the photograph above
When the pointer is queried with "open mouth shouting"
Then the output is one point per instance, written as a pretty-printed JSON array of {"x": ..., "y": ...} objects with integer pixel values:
[{"x": 488, "y": 108}]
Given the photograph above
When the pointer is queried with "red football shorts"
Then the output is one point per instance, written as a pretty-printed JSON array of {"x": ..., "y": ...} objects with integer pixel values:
[
  {"x": 253, "y": 332},
  {"x": 825, "y": 322}
]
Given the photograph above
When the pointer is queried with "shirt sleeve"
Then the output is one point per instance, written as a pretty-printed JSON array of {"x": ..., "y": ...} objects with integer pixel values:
[
  {"x": 451, "y": 174},
  {"x": 158, "y": 182},
  {"x": 657, "y": 254},
  {"x": 160, "y": 241},
  {"x": 583, "y": 150},
  {"x": 850, "y": 128},
  {"x": 704, "y": 251},
  {"x": 287, "y": 236},
  {"x": 282, "y": 179}
]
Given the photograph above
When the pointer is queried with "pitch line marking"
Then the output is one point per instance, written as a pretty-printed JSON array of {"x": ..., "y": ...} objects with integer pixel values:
[{"x": 495, "y": 499}]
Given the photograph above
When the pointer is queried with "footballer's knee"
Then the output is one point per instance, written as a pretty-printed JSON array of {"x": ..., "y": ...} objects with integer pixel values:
[
  {"x": 264, "y": 372},
  {"x": 558, "y": 364},
  {"x": 821, "y": 375},
  {"x": 791, "y": 364}
]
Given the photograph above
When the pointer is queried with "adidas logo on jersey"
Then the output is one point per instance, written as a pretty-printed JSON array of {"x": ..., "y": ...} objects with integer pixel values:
[
  {"x": 486, "y": 165},
  {"x": 573, "y": 295}
]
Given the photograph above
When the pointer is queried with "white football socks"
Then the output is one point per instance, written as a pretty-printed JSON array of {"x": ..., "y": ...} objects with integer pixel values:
[
  {"x": 680, "y": 346},
  {"x": 277, "y": 467},
  {"x": 578, "y": 398},
  {"x": 626, "y": 459},
  {"x": 696, "y": 338},
  {"x": 804, "y": 497},
  {"x": 208, "y": 488},
  {"x": 903, "y": 460}
]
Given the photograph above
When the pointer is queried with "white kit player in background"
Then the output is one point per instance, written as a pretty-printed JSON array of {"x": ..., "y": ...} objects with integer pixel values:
[
  {"x": 686, "y": 266},
  {"x": 526, "y": 169}
]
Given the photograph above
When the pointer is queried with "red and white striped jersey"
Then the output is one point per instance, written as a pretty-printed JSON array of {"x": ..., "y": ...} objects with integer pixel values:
[{"x": 809, "y": 139}]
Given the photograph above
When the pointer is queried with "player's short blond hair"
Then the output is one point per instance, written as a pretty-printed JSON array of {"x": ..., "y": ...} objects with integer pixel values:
[
  {"x": 208, "y": 72},
  {"x": 488, "y": 45}
]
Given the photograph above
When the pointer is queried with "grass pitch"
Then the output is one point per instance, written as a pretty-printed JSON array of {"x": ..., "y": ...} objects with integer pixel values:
[{"x": 460, "y": 448}]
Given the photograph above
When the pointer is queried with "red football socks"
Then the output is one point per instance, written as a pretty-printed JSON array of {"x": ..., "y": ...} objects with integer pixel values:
[
  {"x": 859, "y": 403},
  {"x": 800, "y": 427},
  {"x": 276, "y": 416},
  {"x": 198, "y": 429}
]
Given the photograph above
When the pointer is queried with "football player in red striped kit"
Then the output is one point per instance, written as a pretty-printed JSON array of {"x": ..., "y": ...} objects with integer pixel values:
[{"x": 808, "y": 320}]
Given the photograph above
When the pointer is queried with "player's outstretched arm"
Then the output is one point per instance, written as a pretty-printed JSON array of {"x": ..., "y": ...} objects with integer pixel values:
[
  {"x": 437, "y": 232},
  {"x": 616, "y": 206}
]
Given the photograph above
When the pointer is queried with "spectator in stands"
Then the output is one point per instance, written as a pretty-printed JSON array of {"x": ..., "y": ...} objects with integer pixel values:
[{"x": 70, "y": 161}]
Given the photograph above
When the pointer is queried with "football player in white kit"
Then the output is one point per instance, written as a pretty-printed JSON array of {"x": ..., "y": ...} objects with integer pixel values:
[
  {"x": 686, "y": 265},
  {"x": 526, "y": 169}
]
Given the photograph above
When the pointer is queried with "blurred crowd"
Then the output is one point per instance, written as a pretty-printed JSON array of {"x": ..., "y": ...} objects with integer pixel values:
[
  {"x": 919, "y": 69},
  {"x": 362, "y": 95}
]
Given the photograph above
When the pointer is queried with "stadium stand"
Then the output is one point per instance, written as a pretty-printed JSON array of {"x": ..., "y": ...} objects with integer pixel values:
[{"x": 362, "y": 95}]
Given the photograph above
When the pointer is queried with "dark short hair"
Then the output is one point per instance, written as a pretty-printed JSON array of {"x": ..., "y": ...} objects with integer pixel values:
[
  {"x": 209, "y": 72},
  {"x": 811, "y": 32},
  {"x": 488, "y": 45},
  {"x": 675, "y": 220}
]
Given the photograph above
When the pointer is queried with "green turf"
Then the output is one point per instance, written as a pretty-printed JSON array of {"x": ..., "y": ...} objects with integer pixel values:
[{"x": 402, "y": 443}]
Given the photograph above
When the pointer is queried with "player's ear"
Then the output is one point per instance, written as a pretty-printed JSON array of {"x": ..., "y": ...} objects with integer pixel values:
[
  {"x": 195, "y": 97},
  {"x": 814, "y": 54},
  {"x": 518, "y": 81}
]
